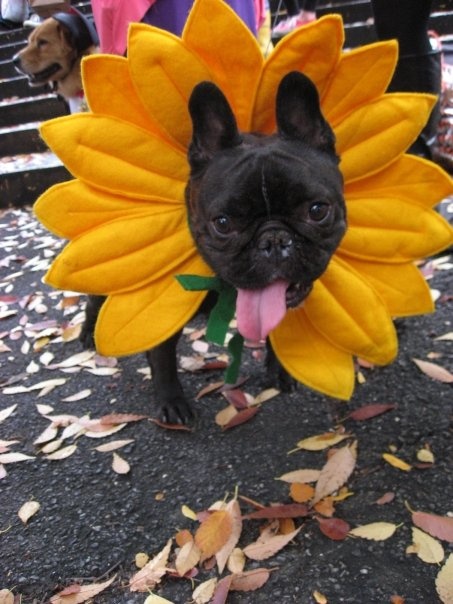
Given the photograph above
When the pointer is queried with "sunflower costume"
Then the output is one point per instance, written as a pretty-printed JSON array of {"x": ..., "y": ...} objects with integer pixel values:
[{"x": 125, "y": 215}]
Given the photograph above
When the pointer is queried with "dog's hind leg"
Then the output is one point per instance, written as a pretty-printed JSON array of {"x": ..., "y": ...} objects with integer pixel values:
[
  {"x": 92, "y": 309},
  {"x": 170, "y": 403}
]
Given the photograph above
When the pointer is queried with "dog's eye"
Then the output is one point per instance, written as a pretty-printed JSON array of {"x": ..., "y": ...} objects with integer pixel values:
[
  {"x": 222, "y": 224},
  {"x": 318, "y": 211},
  {"x": 42, "y": 43}
]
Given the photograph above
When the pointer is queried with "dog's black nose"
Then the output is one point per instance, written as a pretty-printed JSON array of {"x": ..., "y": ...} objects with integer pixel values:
[
  {"x": 16, "y": 61},
  {"x": 276, "y": 243}
]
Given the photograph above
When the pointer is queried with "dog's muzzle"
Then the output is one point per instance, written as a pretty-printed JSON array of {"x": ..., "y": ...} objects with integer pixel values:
[{"x": 40, "y": 77}]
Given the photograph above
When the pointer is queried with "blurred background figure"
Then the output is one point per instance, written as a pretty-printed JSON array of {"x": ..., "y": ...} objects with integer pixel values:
[{"x": 299, "y": 12}]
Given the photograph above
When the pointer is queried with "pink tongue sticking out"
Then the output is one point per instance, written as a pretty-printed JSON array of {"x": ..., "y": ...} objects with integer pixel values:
[{"x": 259, "y": 311}]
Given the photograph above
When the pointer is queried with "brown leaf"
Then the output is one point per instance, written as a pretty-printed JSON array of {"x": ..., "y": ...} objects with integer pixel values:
[
  {"x": 261, "y": 550},
  {"x": 213, "y": 533},
  {"x": 85, "y": 593},
  {"x": 120, "y": 418},
  {"x": 237, "y": 398},
  {"x": 370, "y": 411},
  {"x": 151, "y": 574},
  {"x": 250, "y": 580},
  {"x": 6, "y": 596},
  {"x": 162, "y": 424},
  {"x": 289, "y": 510},
  {"x": 321, "y": 441},
  {"x": 182, "y": 537},
  {"x": 335, "y": 472},
  {"x": 221, "y": 591},
  {"x": 437, "y": 526},
  {"x": 303, "y": 476},
  {"x": 334, "y": 528},
  {"x": 386, "y": 498}
]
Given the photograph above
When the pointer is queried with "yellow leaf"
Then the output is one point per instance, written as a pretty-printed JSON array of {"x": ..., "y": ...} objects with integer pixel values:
[
  {"x": 396, "y": 462},
  {"x": 188, "y": 513},
  {"x": 141, "y": 559},
  {"x": 153, "y": 599},
  {"x": 321, "y": 441},
  {"x": 236, "y": 561},
  {"x": 28, "y": 510},
  {"x": 319, "y": 597},
  {"x": 301, "y": 476},
  {"x": 376, "y": 531},
  {"x": 213, "y": 533},
  {"x": 425, "y": 456},
  {"x": 444, "y": 581},
  {"x": 204, "y": 592},
  {"x": 188, "y": 556},
  {"x": 426, "y": 547}
]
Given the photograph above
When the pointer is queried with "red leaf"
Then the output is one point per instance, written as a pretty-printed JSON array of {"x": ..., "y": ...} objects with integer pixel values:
[
  {"x": 222, "y": 589},
  {"x": 369, "y": 411},
  {"x": 290, "y": 510},
  {"x": 437, "y": 526},
  {"x": 236, "y": 398},
  {"x": 334, "y": 528},
  {"x": 170, "y": 426},
  {"x": 121, "y": 418},
  {"x": 241, "y": 417}
]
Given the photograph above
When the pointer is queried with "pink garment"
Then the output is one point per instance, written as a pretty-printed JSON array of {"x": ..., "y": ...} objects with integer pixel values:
[
  {"x": 260, "y": 10},
  {"x": 112, "y": 18}
]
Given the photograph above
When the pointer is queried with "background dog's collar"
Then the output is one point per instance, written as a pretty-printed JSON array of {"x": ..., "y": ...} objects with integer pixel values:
[{"x": 82, "y": 30}]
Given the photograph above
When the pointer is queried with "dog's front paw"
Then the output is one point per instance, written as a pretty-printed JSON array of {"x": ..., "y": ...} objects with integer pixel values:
[
  {"x": 86, "y": 337},
  {"x": 176, "y": 411}
]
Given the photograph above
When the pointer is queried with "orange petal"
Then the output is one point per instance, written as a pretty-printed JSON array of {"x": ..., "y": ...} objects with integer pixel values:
[
  {"x": 116, "y": 156},
  {"x": 314, "y": 49},
  {"x": 139, "y": 320},
  {"x": 374, "y": 135},
  {"x": 110, "y": 91},
  {"x": 349, "y": 313},
  {"x": 411, "y": 178},
  {"x": 71, "y": 208},
  {"x": 394, "y": 230},
  {"x": 310, "y": 358},
  {"x": 125, "y": 254},
  {"x": 237, "y": 61},
  {"x": 361, "y": 76},
  {"x": 401, "y": 286},
  {"x": 165, "y": 72}
]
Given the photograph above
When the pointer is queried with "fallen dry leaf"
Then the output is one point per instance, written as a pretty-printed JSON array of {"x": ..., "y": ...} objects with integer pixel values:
[
  {"x": 321, "y": 441},
  {"x": 214, "y": 532},
  {"x": 370, "y": 411},
  {"x": 250, "y": 580},
  {"x": 376, "y": 531},
  {"x": 386, "y": 498},
  {"x": 151, "y": 574},
  {"x": 396, "y": 462},
  {"x": 336, "y": 471},
  {"x": 5, "y": 413},
  {"x": 14, "y": 457},
  {"x": 434, "y": 371},
  {"x": 154, "y": 599},
  {"x": 242, "y": 416},
  {"x": 425, "y": 455},
  {"x": 141, "y": 559},
  {"x": 85, "y": 593},
  {"x": 426, "y": 547},
  {"x": 301, "y": 492},
  {"x": 289, "y": 510},
  {"x": 437, "y": 526},
  {"x": 62, "y": 453},
  {"x": 78, "y": 396},
  {"x": 204, "y": 592},
  {"x": 302, "y": 476},
  {"x": 27, "y": 510},
  {"x": 222, "y": 555},
  {"x": 6, "y": 596},
  {"x": 113, "y": 445},
  {"x": 444, "y": 581},
  {"x": 261, "y": 550},
  {"x": 188, "y": 557},
  {"x": 236, "y": 561},
  {"x": 334, "y": 528},
  {"x": 319, "y": 597},
  {"x": 120, "y": 465}
]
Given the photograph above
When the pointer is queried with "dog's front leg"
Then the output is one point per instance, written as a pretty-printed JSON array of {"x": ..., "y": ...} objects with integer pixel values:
[
  {"x": 171, "y": 404},
  {"x": 276, "y": 374}
]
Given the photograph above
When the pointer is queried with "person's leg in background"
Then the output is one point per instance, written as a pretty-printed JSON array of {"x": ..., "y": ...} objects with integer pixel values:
[{"x": 419, "y": 66}]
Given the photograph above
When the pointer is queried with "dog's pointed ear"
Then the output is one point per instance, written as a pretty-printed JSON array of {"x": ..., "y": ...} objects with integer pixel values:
[
  {"x": 299, "y": 115},
  {"x": 213, "y": 122}
]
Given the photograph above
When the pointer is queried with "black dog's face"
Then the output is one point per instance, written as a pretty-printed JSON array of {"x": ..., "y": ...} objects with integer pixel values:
[{"x": 266, "y": 212}]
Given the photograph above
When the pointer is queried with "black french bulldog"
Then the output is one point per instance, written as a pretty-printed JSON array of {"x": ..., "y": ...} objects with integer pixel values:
[{"x": 266, "y": 214}]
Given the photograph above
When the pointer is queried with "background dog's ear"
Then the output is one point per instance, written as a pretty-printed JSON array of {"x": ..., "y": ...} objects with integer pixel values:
[
  {"x": 213, "y": 122},
  {"x": 299, "y": 114}
]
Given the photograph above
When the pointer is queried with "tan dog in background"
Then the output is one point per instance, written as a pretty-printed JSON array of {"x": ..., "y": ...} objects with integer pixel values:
[{"x": 54, "y": 53}]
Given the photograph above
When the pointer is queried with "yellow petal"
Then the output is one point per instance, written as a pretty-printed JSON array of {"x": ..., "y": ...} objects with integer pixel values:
[
  {"x": 313, "y": 49},
  {"x": 310, "y": 358},
  {"x": 125, "y": 254},
  {"x": 374, "y": 135},
  {"x": 116, "y": 156},
  {"x": 349, "y": 313},
  {"x": 393, "y": 229},
  {"x": 401, "y": 286},
  {"x": 117, "y": 96},
  {"x": 361, "y": 76},
  {"x": 139, "y": 320},
  {"x": 235, "y": 66},
  {"x": 70, "y": 208},
  {"x": 165, "y": 72},
  {"x": 411, "y": 178}
]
